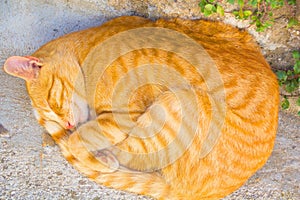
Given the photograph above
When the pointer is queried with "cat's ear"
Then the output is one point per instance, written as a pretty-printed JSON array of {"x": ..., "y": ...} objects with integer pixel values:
[{"x": 26, "y": 67}]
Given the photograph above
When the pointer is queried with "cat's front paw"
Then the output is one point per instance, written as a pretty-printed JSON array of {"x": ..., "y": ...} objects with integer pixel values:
[{"x": 91, "y": 135}]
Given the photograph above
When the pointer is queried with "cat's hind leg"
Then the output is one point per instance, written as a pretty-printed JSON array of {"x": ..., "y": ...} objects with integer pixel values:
[
  {"x": 137, "y": 182},
  {"x": 100, "y": 159}
]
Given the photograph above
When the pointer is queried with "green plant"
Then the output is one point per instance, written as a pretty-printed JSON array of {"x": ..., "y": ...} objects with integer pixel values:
[
  {"x": 290, "y": 81},
  {"x": 258, "y": 11},
  {"x": 292, "y": 22}
]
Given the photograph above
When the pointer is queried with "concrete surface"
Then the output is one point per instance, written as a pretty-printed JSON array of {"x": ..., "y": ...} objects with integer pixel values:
[{"x": 30, "y": 171}]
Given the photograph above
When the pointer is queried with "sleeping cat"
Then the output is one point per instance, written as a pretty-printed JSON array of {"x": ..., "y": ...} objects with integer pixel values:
[{"x": 191, "y": 117}]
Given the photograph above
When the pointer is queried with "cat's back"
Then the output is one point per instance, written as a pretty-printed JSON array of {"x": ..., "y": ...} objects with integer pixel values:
[
  {"x": 250, "y": 88},
  {"x": 248, "y": 80}
]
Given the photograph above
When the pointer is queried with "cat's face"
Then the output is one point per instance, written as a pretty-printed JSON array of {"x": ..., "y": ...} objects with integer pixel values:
[{"x": 51, "y": 89}]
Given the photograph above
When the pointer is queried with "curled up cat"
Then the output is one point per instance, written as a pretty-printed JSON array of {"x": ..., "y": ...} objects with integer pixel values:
[{"x": 173, "y": 109}]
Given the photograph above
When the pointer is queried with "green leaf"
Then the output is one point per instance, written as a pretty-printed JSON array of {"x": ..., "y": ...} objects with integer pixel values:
[
  {"x": 231, "y": 1},
  {"x": 289, "y": 73},
  {"x": 292, "y": 22},
  {"x": 260, "y": 26},
  {"x": 291, "y": 85},
  {"x": 292, "y": 2},
  {"x": 220, "y": 10},
  {"x": 285, "y": 104},
  {"x": 298, "y": 101},
  {"x": 214, "y": 9},
  {"x": 297, "y": 67},
  {"x": 260, "y": 29},
  {"x": 296, "y": 55},
  {"x": 209, "y": 7},
  {"x": 299, "y": 113},
  {"x": 241, "y": 3},
  {"x": 202, "y": 4},
  {"x": 207, "y": 12},
  {"x": 253, "y": 3},
  {"x": 254, "y": 18},
  {"x": 282, "y": 76},
  {"x": 247, "y": 13},
  {"x": 276, "y": 3},
  {"x": 235, "y": 13}
]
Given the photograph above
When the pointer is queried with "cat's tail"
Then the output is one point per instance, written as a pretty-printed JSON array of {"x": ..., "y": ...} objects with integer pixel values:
[{"x": 151, "y": 184}]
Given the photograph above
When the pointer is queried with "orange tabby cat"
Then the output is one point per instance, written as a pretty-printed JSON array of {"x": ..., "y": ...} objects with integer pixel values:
[{"x": 175, "y": 109}]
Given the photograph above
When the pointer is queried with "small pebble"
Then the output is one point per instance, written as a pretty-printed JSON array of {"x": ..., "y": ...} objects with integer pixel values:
[{"x": 3, "y": 132}]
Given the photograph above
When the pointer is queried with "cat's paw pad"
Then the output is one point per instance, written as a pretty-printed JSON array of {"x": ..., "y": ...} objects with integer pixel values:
[{"x": 107, "y": 158}]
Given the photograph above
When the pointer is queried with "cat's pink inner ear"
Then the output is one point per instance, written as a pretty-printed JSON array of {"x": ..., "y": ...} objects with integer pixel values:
[{"x": 26, "y": 67}]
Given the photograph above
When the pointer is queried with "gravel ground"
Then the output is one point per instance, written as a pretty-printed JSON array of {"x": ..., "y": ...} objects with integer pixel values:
[{"x": 29, "y": 170}]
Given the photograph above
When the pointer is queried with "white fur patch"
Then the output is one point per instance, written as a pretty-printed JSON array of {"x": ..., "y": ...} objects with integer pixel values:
[
  {"x": 52, "y": 127},
  {"x": 80, "y": 109},
  {"x": 36, "y": 114}
]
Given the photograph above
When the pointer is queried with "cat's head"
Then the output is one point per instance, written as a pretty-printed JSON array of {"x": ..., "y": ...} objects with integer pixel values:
[{"x": 50, "y": 85}]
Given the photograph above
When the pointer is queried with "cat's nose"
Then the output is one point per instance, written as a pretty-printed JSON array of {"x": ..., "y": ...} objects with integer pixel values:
[{"x": 69, "y": 126}]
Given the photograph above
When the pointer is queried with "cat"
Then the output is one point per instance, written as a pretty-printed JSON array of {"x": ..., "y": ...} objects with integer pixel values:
[{"x": 150, "y": 122}]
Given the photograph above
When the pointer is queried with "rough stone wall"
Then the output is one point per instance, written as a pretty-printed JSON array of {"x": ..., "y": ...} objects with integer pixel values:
[{"x": 45, "y": 21}]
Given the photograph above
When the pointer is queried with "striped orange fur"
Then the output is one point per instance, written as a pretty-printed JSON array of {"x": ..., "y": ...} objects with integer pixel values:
[{"x": 149, "y": 138}]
